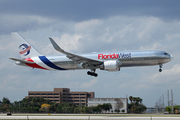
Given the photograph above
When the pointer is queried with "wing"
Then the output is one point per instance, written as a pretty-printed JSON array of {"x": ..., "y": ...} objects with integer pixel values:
[{"x": 87, "y": 62}]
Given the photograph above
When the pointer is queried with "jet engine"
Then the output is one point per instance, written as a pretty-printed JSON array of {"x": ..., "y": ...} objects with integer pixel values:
[{"x": 111, "y": 65}]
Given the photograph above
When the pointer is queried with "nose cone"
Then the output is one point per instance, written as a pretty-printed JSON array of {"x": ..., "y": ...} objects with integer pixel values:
[{"x": 171, "y": 57}]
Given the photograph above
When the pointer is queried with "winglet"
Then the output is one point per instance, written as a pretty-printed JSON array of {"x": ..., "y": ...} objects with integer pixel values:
[{"x": 56, "y": 46}]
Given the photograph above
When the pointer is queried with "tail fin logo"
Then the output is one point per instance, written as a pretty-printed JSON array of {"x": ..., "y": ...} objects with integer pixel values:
[{"x": 24, "y": 49}]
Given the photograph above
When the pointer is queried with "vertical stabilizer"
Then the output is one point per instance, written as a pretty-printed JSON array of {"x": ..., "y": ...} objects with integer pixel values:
[{"x": 26, "y": 50}]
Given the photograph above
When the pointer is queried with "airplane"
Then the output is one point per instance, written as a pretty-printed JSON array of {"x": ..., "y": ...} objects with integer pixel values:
[{"x": 109, "y": 61}]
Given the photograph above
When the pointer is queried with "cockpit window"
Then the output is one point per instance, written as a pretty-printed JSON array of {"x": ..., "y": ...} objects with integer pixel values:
[{"x": 166, "y": 54}]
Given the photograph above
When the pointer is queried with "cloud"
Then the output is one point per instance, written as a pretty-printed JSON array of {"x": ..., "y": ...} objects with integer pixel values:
[
  {"x": 90, "y": 84},
  {"x": 155, "y": 46},
  {"x": 84, "y": 10},
  {"x": 168, "y": 75},
  {"x": 141, "y": 86},
  {"x": 69, "y": 42},
  {"x": 87, "y": 25},
  {"x": 10, "y": 22}
]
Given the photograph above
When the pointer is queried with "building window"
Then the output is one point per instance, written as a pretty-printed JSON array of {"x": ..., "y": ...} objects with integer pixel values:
[
  {"x": 43, "y": 94},
  {"x": 56, "y": 93},
  {"x": 70, "y": 100},
  {"x": 76, "y": 94},
  {"x": 56, "y": 100},
  {"x": 50, "y": 93},
  {"x": 70, "y": 94},
  {"x": 82, "y": 97},
  {"x": 50, "y": 97},
  {"x": 82, "y": 94},
  {"x": 37, "y": 93},
  {"x": 31, "y": 93},
  {"x": 56, "y": 97}
]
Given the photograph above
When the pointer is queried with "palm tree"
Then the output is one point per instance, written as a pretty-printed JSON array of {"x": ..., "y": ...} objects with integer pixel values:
[
  {"x": 133, "y": 99},
  {"x": 140, "y": 100},
  {"x": 130, "y": 98}
]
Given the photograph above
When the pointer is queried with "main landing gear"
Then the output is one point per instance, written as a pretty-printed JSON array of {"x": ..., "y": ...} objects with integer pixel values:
[
  {"x": 92, "y": 74},
  {"x": 160, "y": 68}
]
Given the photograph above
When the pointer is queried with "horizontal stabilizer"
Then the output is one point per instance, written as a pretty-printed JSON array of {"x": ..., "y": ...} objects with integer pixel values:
[{"x": 23, "y": 61}]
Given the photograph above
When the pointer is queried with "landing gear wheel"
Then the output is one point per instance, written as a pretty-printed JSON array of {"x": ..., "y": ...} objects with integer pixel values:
[
  {"x": 89, "y": 73},
  {"x": 92, "y": 74},
  {"x": 96, "y": 75},
  {"x": 160, "y": 66}
]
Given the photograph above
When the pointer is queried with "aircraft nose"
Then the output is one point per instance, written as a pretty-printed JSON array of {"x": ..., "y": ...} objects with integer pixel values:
[{"x": 171, "y": 57}]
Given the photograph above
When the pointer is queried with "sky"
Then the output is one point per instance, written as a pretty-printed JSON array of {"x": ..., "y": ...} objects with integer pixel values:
[{"x": 85, "y": 26}]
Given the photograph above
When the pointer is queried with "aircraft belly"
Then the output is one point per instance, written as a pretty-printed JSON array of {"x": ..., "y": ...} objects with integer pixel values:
[
  {"x": 142, "y": 62},
  {"x": 70, "y": 65},
  {"x": 138, "y": 63}
]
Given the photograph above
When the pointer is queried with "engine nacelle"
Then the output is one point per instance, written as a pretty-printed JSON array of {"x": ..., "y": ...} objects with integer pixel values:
[{"x": 111, "y": 65}]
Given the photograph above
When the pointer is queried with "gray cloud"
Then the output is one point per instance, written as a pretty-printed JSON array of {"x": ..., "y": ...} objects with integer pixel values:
[
  {"x": 19, "y": 15},
  {"x": 83, "y": 10}
]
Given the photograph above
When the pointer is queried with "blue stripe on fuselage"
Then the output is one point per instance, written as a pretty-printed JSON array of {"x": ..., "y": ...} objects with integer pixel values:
[{"x": 49, "y": 63}]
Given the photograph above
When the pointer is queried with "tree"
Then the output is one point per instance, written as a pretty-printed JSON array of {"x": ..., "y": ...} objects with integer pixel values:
[
  {"x": 33, "y": 101},
  {"x": 106, "y": 106},
  {"x": 90, "y": 109},
  {"x": 53, "y": 107},
  {"x": 122, "y": 111},
  {"x": 45, "y": 107},
  {"x": 130, "y": 98},
  {"x": 85, "y": 110},
  {"x": 119, "y": 104},
  {"x": 136, "y": 105},
  {"x": 76, "y": 110},
  {"x": 98, "y": 109},
  {"x": 5, "y": 101}
]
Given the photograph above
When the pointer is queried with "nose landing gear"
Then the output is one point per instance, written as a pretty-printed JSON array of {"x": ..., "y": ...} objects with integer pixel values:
[{"x": 160, "y": 67}]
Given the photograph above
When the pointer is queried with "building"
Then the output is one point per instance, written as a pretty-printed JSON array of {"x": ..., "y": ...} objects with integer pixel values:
[
  {"x": 96, "y": 101},
  {"x": 63, "y": 95}
]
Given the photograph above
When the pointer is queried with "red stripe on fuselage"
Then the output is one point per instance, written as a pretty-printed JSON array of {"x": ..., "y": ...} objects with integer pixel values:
[{"x": 34, "y": 65}]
